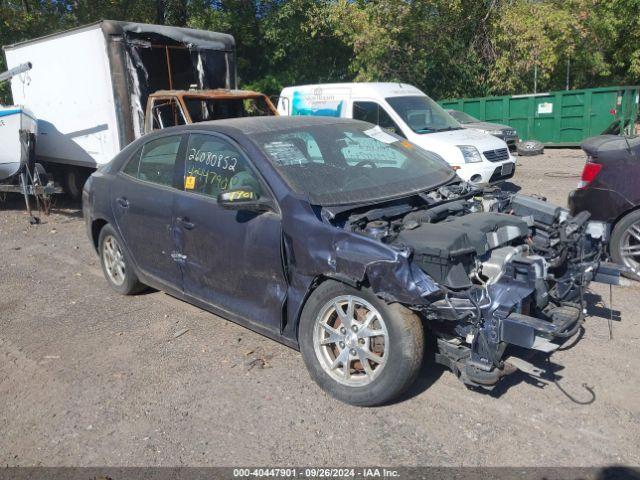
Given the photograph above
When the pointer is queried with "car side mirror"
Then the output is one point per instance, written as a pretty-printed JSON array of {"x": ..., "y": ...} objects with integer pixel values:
[{"x": 243, "y": 198}]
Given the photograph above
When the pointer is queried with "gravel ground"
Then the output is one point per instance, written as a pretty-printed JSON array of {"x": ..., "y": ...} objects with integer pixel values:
[{"x": 88, "y": 377}]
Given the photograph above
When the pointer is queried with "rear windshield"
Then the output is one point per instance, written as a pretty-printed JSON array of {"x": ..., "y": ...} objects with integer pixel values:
[
  {"x": 347, "y": 163},
  {"x": 422, "y": 114},
  {"x": 205, "y": 109}
]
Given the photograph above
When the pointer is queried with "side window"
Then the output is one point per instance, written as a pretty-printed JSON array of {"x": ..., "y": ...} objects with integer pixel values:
[
  {"x": 373, "y": 113},
  {"x": 214, "y": 165},
  {"x": 132, "y": 166},
  {"x": 166, "y": 113},
  {"x": 155, "y": 162}
]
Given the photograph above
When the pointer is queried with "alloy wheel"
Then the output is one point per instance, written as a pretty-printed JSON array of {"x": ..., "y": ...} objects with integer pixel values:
[
  {"x": 351, "y": 340},
  {"x": 630, "y": 247},
  {"x": 113, "y": 260}
]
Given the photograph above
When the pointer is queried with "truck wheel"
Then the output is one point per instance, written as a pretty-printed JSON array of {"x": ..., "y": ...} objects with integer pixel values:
[
  {"x": 625, "y": 244},
  {"x": 529, "y": 148},
  {"x": 74, "y": 179},
  {"x": 116, "y": 267},
  {"x": 358, "y": 348}
]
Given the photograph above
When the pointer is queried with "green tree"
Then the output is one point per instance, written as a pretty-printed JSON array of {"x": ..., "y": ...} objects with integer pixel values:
[
  {"x": 437, "y": 45},
  {"x": 554, "y": 36}
]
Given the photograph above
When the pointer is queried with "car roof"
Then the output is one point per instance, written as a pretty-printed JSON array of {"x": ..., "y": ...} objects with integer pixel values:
[
  {"x": 251, "y": 125},
  {"x": 375, "y": 89}
]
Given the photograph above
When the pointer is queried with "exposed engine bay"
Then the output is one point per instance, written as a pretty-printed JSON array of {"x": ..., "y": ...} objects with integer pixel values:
[{"x": 511, "y": 271}]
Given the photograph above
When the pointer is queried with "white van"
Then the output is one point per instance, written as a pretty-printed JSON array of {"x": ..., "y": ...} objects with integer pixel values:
[{"x": 410, "y": 113}]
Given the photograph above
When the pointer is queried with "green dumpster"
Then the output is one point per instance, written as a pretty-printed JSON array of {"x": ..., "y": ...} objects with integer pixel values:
[{"x": 562, "y": 118}]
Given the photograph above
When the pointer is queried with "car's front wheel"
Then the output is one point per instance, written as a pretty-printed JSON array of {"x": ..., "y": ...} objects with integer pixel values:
[
  {"x": 357, "y": 347},
  {"x": 116, "y": 266}
]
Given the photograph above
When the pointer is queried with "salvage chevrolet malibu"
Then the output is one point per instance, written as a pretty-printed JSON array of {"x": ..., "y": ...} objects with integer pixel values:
[{"x": 346, "y": 242}]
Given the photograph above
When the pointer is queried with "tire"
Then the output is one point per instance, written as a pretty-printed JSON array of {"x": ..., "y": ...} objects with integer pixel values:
[
  {"x": 40, "y": 175},
  {"x": 123, "y": 280},
  {"x": 529, "y": 148},
  {"x": 626, "y": 234},
  {"x": 399, "y": 332},
  {"x": 74, "y": 180}
]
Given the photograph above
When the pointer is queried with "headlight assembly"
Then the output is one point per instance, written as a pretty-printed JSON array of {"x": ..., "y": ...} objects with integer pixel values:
[{"x": 470, "y": 153}]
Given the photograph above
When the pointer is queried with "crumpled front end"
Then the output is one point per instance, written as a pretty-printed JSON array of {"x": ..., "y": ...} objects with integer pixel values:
[
  {"x": 527, "y": 291},
  {"x": 505, "y": 271}
]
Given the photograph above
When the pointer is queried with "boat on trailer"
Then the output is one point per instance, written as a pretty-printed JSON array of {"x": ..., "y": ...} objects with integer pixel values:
[
  {"x": 16, "y": 124},
  {"x": 18, "y": 171}
]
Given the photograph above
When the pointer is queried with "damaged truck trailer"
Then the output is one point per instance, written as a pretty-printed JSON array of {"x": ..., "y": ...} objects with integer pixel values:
[{"x": 88, "y": 87}]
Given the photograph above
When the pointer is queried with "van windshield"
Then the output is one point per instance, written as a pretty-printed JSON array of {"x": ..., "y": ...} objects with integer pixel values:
[{"x": 422, "y": 114}]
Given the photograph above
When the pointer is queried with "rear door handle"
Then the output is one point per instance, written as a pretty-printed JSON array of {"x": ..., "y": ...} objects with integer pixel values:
[
  {"x": 186, "y": 223},
  {"x": 123, "y": 202}
]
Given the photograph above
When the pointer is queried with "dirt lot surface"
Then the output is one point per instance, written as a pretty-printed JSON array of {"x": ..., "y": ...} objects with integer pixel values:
[{"x": 88, "y": 377}]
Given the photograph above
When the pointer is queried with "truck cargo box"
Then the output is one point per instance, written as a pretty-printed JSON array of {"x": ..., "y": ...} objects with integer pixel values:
[{"x": 88, "y": 87}]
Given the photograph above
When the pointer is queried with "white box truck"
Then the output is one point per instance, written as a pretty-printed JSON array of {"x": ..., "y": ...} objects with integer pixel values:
[
  {"x": 88, "y": 87},
  {"x": 408, "y": 112}
]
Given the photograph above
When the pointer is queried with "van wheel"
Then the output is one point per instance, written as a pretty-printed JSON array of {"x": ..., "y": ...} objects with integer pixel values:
[
  {"x": 625, "y": 244},
  {"x": 358, "y": 348}
]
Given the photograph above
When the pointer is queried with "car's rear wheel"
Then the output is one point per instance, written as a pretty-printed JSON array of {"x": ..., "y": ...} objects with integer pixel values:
[
  {"x": 116, "y": 266},
  {"x": 625, "y": 243},
  {"x": 358, "y": 348}
]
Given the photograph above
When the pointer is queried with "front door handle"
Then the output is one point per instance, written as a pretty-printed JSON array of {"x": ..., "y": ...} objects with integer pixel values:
[
  {"x": 186, "y": 223},
  {"x": 123, "y": 202}
]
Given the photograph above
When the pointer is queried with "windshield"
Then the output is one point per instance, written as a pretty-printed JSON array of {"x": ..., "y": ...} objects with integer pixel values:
[
  {"x": 346, "y": 163},
  {"x": 462, "y": 117},
  {"x": 203, "y": 109},
  {"x": 422, "y": 114}
]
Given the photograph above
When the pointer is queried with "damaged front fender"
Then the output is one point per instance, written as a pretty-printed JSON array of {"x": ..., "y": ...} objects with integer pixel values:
[
  {"x": 324, "y": 251},
  {"x": 393, "y": 277}
]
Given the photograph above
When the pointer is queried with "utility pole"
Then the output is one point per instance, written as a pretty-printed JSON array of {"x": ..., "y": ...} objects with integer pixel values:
[{"x": 535, "y": 70}]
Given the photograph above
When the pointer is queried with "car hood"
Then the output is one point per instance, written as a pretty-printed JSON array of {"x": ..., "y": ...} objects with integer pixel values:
[{"x": 445, "y": 143}]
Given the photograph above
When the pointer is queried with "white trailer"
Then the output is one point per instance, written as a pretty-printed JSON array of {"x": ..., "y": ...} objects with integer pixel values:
[{"x": 88, "y": 87}]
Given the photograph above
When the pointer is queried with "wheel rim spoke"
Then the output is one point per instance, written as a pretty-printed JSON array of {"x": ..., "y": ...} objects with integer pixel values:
[
  {"x": 344, "y": 317},
  {"x": 365, "y": 362},
  {"x": 346, "y": 366},
  {"x": 631, "y": 249},
  {"x": 634, "y": 231},
  {"x": 373, "y": 357},
  {"x": 334, "y": 335},
  {"x": 368, "y": 333},
  {"x": 368, "y": 319},
  {"x": 350, "y": 310},
  {"x": 341, "y": 359}
]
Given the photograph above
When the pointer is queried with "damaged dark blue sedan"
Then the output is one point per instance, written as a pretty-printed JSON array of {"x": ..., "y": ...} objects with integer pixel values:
[{"x": 347, "y": 242}]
